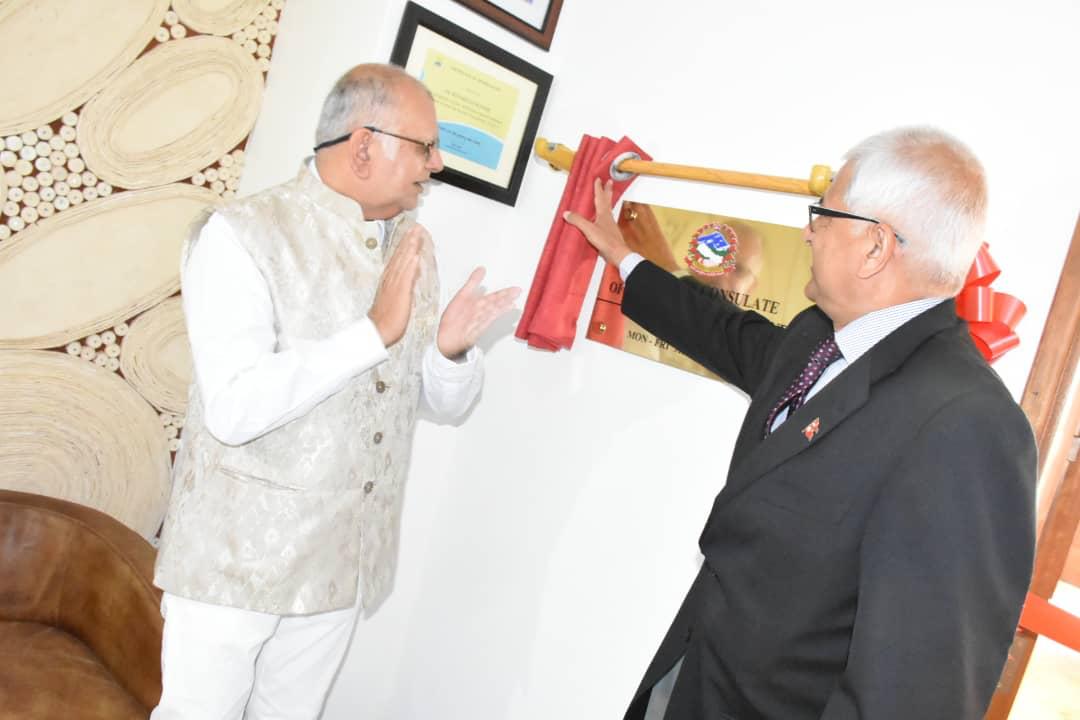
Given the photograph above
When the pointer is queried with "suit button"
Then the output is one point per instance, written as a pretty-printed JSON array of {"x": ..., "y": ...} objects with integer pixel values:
[
  {"x": 371, "y": 243},
  {"x": 380, "y": 387},
  {"x": 368, "y": 487},
  {"x": 377, "y": 438}
]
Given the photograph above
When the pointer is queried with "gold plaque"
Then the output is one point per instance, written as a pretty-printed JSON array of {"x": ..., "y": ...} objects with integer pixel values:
[{"x": 759, "y": 266}]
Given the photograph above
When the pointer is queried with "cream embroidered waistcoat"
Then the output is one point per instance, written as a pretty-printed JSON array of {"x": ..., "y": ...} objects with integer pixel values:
[{"x": 290, "y": 521}]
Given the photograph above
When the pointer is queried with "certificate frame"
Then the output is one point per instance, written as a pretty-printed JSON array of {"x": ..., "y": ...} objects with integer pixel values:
[
  {"x": 522, "y": 25},
  {"x": 428, "y": 47}
]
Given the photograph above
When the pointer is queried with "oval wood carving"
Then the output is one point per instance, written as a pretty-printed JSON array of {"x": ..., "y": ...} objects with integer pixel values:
[
  {"x": 56, "y": 54},
  {"x": 93, "y": 266},
  {"x": 156, "y": 358},
  {"x": 217, "y": 17},
  {"x": 74, "y": 431},
  {"x": 175, "y": 111}
]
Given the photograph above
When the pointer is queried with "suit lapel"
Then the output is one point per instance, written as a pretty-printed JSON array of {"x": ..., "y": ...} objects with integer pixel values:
[
  {"x": 830, "y": 407},
  {"x": 817, "y": 418}
]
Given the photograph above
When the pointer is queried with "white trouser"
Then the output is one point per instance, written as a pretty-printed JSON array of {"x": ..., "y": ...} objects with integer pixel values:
[{"x": 223, "y": 663}]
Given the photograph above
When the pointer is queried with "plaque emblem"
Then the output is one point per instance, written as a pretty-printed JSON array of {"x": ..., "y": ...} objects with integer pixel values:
[{"x": 712, "y": 250}]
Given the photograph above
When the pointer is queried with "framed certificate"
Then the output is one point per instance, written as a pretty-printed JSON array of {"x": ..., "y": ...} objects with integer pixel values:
[
  {"x": 487, "y": 101},
  {"x": 534, "y": 20}
]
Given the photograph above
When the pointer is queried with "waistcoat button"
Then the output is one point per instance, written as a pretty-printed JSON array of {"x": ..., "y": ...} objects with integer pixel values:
[
  {"x": 377, "y": 438},
  {"x": 368, "y": 487},
  {"x": 380, "y": 387},
  {"x": 371, "y": 243}
]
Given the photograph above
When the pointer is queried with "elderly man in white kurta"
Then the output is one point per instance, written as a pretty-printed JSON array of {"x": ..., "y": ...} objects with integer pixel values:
[{"x": 312, "y": 310}]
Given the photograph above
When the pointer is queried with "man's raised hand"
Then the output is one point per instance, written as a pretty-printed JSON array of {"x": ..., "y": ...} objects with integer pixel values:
[
  {"x": 470, "y": 313},
  {"x": 393, "y": 300},
  {"x": 603, "y": 234}
]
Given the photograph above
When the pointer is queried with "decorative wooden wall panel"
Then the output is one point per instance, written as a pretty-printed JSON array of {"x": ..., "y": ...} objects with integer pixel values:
[{"x": 123, "y": 124}]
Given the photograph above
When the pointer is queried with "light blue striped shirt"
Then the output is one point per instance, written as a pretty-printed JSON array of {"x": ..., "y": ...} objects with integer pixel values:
[{"x": 857, "y": 337}]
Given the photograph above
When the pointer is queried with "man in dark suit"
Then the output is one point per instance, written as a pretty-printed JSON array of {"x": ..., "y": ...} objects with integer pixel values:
[{"x": 870, "y": 551}]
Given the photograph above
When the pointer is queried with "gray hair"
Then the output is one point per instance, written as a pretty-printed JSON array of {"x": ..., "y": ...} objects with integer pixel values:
[
  {"x": 365, "y": 95},
  {"x": 931, "y": 189}
]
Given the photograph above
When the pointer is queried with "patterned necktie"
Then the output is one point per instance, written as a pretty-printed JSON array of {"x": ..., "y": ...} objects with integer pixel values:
[{"x": 824, "y": 355}]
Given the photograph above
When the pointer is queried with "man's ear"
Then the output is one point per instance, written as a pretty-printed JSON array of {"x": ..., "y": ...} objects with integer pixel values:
[
  {"x": 360, "y": 152},
  {"x": 880, "y": 246}
]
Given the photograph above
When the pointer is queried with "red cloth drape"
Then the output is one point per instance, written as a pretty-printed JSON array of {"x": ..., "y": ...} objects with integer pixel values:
[{"x": 549, "y": 320}]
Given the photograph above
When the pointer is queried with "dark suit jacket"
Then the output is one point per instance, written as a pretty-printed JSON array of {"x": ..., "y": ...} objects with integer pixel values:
[{"x": 874, "y": 571}]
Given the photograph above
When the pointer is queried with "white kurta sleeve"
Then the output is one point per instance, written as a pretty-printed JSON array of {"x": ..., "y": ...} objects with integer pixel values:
[
  {"x": 449, "y": 387},
  {"x": 248, "y": 387}
]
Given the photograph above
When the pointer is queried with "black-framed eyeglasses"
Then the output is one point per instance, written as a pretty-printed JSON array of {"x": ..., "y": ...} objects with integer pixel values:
[
  {"x": 816, "y": 209},
  {"x": 429, "y": 147}
]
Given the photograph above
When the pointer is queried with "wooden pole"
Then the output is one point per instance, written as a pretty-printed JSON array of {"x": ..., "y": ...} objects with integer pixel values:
[
  {"x": 561, "y": 157},
  {"x": 1051, "y": 411},
  {"x": 1054, "y": 544}
]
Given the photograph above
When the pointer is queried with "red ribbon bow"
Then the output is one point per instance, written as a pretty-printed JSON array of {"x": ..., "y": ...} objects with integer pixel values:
[{"x": 991, "y": 316}]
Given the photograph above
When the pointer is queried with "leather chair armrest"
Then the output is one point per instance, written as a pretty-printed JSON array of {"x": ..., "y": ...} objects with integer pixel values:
[{"x": 78, "y": 569}]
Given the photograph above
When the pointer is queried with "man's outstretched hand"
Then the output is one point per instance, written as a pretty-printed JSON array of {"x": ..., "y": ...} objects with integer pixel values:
[
  {"x": 604, "y": 234},
  {"x": 470, "y": 313}
]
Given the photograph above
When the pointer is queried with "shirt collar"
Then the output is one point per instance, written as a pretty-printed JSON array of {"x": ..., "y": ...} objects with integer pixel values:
[{"x": 857, "y": 337}]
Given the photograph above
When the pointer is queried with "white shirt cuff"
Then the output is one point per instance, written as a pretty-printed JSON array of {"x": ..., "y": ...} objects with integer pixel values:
[
  {"x": 449, "y": 388},
  {"x": 444, "y": 367},
  {"x": 628, "y": 264}
]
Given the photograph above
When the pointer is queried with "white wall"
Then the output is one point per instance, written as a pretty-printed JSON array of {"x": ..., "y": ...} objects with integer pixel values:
[{"x": 548, "y": 540}]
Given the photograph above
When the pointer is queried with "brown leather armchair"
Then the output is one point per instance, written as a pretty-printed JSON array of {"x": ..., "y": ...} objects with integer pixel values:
[{"x": 80, "y": 624}]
